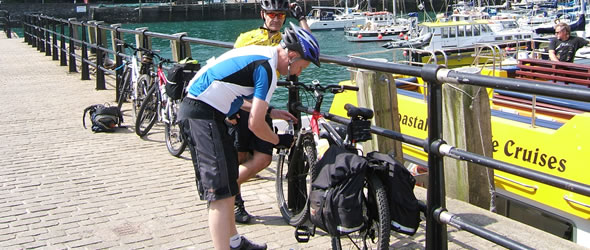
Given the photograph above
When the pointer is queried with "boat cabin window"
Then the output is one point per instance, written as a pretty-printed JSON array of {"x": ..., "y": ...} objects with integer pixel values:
[
  {"x": 509, "y": 25},
  {"x": 535, "y": 217},
  {"x": 445, "y": 32},
  {"x": 476, "y": 30},
  {"x": 461, "y": 30},
  {"x": 453, "y": 31},
  {"x": 485, "y": 28}
]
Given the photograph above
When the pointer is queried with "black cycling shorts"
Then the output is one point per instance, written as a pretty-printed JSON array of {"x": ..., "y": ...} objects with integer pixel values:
[
  {"x": 214, "y": 158},
  {"x": 246, "y": 141}
]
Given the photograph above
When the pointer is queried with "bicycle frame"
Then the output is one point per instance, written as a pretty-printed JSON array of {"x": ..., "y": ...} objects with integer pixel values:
[
  {"x": 134, "y": 67},
  {"x": 164, "y": 105}
]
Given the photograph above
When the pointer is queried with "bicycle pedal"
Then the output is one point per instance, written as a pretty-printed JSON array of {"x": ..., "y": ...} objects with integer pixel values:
[{"x": 302, "y": 234}]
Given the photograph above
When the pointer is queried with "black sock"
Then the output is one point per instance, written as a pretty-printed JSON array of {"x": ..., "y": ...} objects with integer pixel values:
[{"x": 239, "y": 200}]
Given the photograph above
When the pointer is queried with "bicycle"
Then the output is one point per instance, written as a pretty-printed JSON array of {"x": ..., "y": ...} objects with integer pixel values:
[
  {"x": 135, "y": 79},
  {"x": 296, "y": 168},
  {"x": 158, "y": 106}
]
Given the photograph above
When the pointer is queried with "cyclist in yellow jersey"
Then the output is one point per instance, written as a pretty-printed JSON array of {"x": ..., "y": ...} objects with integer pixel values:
[{"x": 274, "y": 14}]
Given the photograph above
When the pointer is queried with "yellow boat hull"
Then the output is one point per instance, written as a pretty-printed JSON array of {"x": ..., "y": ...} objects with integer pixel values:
[{"x": 562, "y": 151}]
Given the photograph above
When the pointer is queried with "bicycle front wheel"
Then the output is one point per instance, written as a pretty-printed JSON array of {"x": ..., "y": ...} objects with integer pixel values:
[
  {"x": 174, "y": 139},
  {"x": 124, "y": 87},
  {"x": 375, "y": 234},
  {"x": 148, "y": 113},
  {"x": 296, "y": 168},
  {"x": 144, "y": 82}
]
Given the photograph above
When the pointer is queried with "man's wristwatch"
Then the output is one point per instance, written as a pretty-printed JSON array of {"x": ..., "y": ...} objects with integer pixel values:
[{"x": 270, "y": 108}]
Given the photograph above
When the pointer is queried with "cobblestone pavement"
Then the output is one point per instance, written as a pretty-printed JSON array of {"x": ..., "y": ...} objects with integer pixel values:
[{"x": 62, "y": 186}]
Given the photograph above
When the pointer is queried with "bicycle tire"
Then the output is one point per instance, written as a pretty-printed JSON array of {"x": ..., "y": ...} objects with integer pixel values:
[
  {"x": 148, "y": 113},
  {"x": 144, "y": 82},
  {"x": 174, "y": 138},
  {"x": 296, "y": 214},
  {"x": 124, "y": 88},
  {"x": 376, "y": 233}
]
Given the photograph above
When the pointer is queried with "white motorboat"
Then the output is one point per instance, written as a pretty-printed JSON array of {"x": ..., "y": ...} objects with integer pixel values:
[
  {"x": 381, "y": 26},
  {"x": 332, "y": 18}
]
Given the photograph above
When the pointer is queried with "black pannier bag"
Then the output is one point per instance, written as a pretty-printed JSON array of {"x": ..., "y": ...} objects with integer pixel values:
[
  {"x": 336, "y": 196},
  {"x": 179, "y": 76},
  {"x": 104, "y": 118},
  {"x": 404, "y": 209}
]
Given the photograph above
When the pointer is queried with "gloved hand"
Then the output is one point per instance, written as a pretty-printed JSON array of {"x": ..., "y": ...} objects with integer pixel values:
[
  {"x": 285, "y": 141},
  {"x": 297, "y": 12}
]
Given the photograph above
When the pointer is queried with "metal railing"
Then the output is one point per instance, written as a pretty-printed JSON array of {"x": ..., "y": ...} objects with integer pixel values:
[
  {"x": 5, "y": 22},
  {"x": 41, "y": 32}
]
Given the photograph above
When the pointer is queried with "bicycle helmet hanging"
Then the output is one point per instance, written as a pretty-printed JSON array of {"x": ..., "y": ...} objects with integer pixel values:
[
  {"x": 275, "y": 5},
  {"x": 300, "y": 40}
]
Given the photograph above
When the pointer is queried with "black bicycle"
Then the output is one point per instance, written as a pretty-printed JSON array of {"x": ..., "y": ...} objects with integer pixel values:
[
  {"x": 296, "y": 168},
  {"x": 135, "y": 79}
]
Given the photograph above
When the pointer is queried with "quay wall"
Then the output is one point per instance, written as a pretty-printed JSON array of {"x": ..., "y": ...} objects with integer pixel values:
[{"x": 232, "y": 9}]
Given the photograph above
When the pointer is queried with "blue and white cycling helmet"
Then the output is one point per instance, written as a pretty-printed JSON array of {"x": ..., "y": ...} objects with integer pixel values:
[{"x": 300, "y": 40}]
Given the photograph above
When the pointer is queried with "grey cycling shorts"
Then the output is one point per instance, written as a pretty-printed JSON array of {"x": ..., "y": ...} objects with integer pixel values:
[{"x": 214, "y": 156}]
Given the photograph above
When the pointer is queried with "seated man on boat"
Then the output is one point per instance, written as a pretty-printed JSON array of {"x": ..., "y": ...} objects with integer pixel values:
[{"x": 563, "y": 48}]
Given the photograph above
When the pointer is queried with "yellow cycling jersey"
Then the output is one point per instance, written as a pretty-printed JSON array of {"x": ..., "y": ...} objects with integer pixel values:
[{"x": 257, "y": 37}]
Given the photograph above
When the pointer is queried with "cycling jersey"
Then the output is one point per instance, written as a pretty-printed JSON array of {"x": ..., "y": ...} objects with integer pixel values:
[
  {"x": 257, "y": 37},
  {"x": 239, "y": 74}
]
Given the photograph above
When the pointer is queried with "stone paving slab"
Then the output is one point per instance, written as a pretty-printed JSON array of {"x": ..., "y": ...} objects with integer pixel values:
[{"x": 62, "y": 186}]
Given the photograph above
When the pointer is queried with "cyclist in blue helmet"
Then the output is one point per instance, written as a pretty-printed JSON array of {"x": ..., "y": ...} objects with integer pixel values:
[
  {"x": 300, "y": 40},
  {"x": 243, "y": 78}
]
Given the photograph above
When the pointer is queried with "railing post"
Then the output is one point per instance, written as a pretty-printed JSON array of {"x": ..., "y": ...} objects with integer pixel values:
[
  {"x": 47, "y": 37},
  {"x": 26, "y": 28},
  {"x": 85, "y": 71},
  {"x": 100, "y": 84},
  {"x": 62, "y": 48},
  {"x": 116, "y": 35},
  {"x": 141, "y": 41},
  {"x": 72, "y": 45},
  {"x": 54, "y": 41},
  {"x": 180, "y": 49},
  {"x": 295, "y": 199},
  {"x": 7, "y": 26},
  {"x": 436, "y": 232},
  {"x": 91, "y": 34},
  {"x": 38, "y": 34}
]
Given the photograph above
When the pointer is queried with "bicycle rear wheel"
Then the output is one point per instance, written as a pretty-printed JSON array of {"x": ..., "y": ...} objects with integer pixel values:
[
  {"x": 174, "y": 139},
  {"x": 375, "y": 234},
  {"x": 296, "y": 168},
  {"x": 144, "y": 82},
  {"x": 124, "y": 87},
  {"x": 148, "y": 113}
]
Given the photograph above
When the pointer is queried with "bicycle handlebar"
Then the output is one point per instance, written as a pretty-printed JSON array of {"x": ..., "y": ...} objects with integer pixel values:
[
  {"x": 334, "y": 88},
  {"x": 152, "y": 53}
]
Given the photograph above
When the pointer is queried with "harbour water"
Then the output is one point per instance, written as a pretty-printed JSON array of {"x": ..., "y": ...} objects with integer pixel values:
[{"x": 331, "y": 43}]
